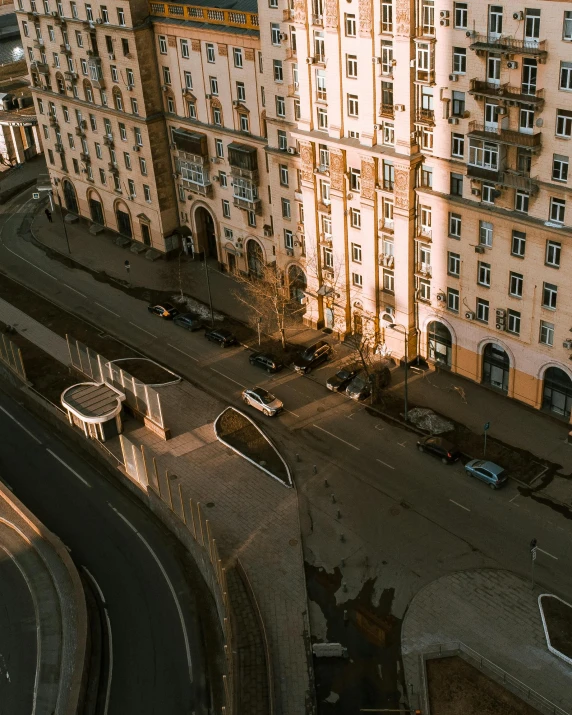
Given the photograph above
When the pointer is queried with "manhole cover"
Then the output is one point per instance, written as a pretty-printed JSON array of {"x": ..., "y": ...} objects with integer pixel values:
[
  {"x": 293, "y": 542},
  {"x": 210, "y": 504},
  {"x": 394, "y": 511}
]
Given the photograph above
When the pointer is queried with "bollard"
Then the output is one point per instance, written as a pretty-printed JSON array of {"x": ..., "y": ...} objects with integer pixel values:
[
  {"x": 342, "y": 562},
  {"x": 315, "y": 469},
  {"x": 333, "y": 498},
  {"x": 346, "y": 617},
  {"x": 344, "y": 587},
  {"x": 326, "y": 483},
  {"x": 298, "y": 457},
  {"x": 339, "y": 514},
  {"x": 342, "y": 537}
]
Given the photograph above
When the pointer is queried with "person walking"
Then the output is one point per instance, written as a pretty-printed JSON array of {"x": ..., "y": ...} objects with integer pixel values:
[{"x": 48, "y": 214}]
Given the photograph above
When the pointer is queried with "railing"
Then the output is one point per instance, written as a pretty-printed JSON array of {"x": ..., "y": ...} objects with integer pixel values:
[
  {"x": 507, "y": 91},
  {"x": 386, "y": 110},
  {"x": 425, "y": 115},
  {"x": 507, "y": 136},
  {"x": 508, "y": 44},
  {"x": 204, "y": 14},
  {"x": 518, "y": 180}
]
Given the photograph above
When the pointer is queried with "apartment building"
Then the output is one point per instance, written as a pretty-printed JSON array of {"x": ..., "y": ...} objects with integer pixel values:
[{"x": 403, "y": 162}]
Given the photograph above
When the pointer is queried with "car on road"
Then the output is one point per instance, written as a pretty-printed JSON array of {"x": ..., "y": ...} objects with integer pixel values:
[
  {"x": 488, "y": 472},
  {"x": 163, "y": 310},
  {"x": 189, "y": 321},
  {"x": 342, "y": 378},
  {"x": 266, "y": 361},
  {"x": 312, "y": 357},
  {"x": 447, "y": 452},
  {"x": 359, "y": 388},
  {"x": 223, "y": 337},
  {"x": 262, "y": 400}
]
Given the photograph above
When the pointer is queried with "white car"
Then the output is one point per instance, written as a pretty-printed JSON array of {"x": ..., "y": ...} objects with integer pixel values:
[{"x": 262, "y": 400}]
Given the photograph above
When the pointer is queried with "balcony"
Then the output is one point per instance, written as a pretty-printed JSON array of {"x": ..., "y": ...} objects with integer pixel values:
[
  {"x": 518, "y": 180},
  {"x": 41, "y": 67},
  {"x": 59, "y": 148},
  {"x": 108, "y": 140},
  {"x": 65, "y": 49},
  {"x": 70, "y": 76},
  {"x": 191, "y": 146},
  {"x": 426, "y": 116},
  {"x": 53, "y": 120},
  {"x": 38, "y": 43},
  {"x": 505, "y": 136},
  {"x": 480, "y": 89},
  {"x": 248, "y": 205},
  {"x": 482, "y": 174},
  {"x": 508, "y": 45},
  {"x": 84, "y": 157},
  {"x": 113, "y": 168},
  {"x": 79, "y": 131},
  {"x": 243, "y": 162},
  {"x": 318, "y": 20},
  {"x": 423, "y": 269},
  {"x": 386, "y": 110},
  {"x": 294, "y": 90},
  {"x": 325, "y": 208},
  {"x": 200, "y": 189}
]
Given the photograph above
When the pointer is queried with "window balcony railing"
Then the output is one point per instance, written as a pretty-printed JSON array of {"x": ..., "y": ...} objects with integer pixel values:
[
  {"x": 518, "y": 180},
  {"x": 386, "y": 110},
  {"x": 425, "y": 115},
  {"x": 423, "y": 269},
  {"x": 505, "y": 136},
  {"x": 196, "y": 188},
  {"x": 508, "y": 45},
  {"x": 248, "y": 204},
  {"x": 481, "y": 89},
  {"x": 294, "y": 89},
  {"x": 251, "y": 175}
]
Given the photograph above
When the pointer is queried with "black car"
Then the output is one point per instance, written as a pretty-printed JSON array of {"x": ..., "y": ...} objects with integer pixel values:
[
  {"x": 339, "y": 381},
  {"x": 312, "y": 357},
  {"x": 266, "y": 361},
  {"x": 223, "y": 337},
  {"x": 189, "y": 321},
  {"x": 442, "y": 448},
  {"x": 359, "y": 388},
  {"x": 164, "y": 310}
]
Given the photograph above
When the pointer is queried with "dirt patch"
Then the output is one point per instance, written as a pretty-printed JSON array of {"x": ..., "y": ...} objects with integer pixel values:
[
  {"x": 240, "y": 433},
  {"x": 456, "y": 687},
  {"x": 558, "y": 616},
  {"x": 146, "y": 371}
]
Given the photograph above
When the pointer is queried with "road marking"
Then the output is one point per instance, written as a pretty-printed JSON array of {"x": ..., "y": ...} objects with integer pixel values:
[
  {"x": 385, "y": 464},
  {"x": 546, "y": 552},
  {"x": 166, "y": 577},
  {"x": 21, "y": 426},
  {"x": 107, "y": 694},
  {"x": 355, "y": 412},
  {"x": 515, "y": 497},
  {"x": 67, "y": 466},
  {"x": 97, "y": 586},
  {"x": 335, "y": 436},
  {"x": 182, "y": 351},
  {"x": 107, "y": 309},
  {"x": 228, "y": 378},
  {"x": 291, "y": 413},
  {"x": 457, "y": 504},
  {"x": 74, "y": 290},
  {"x": 402, "y": 444},
  {"x": 377, "y": 427},
  {"x": 143, "y": 329}
]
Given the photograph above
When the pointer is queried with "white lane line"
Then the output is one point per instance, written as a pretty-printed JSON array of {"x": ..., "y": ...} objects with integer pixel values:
[
  {"x": 228, "y": 378},
  {"x": 546, "y": 552},
  {"x": 67, "y": 466},
  {"x": 385, "y": 464},
  {"x": 107, "y": 309},
  {"x": 74, "y": 290},
  {"x": 378, "y": 429},
  {"x": 515, "y": 497},
  {"x": 457, "y": 504},
  {"x": 108, "y": 693},
  {"x": 182, "y": 351},
  {"x": 21, "y": 426},
  {"x": 402, "y": 444},
  {"x": 143, "y": 329},
  {"x": 291, "y": 413},
  {"x": 336, "y": 437},
  {"x": 171, "y": 588},
  {"x": 97, "y": 586}
]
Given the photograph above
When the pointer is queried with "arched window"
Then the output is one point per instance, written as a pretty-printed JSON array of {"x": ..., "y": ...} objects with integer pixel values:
[
  {"x": 296, "y": 283},
  {"x": 70, "y": 198},
  {"x": 439, "y": 343},
  {"x": 117, "y": 99},
  {"x": 255, "y": 259},
  {"x": 87, "y": 91},
  {"x": 557, "y": 392},
  {"x": 496, "y": 367}
]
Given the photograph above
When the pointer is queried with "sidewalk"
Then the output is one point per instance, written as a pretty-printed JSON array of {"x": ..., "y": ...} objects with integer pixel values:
[{"x": 14, "y": 180}]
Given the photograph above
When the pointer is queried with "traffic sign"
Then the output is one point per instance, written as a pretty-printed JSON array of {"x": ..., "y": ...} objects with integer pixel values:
[
  {"x": 35, "y": 195},
  {"x": 533, "y": 553},
  {"x": 487, "y": 425}
]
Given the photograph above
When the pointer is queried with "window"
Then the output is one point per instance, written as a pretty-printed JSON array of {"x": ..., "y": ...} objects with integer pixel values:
[
  {"x": 458, "y": 107},
  {"x": 355, "y": 218},
  {"x": 131, "y": 186},
  {"x": 351, "y": 66},
  {"x": 513, "y": 323},
  {"x": 102, "y": 177},
  {"x": 283, "y": 173},
  {"x": 134, "y": 106},
  {"x": 563, "y": 123},
  {"x": 162, "y": 45},
  {"x": 515, "y": 284},
  {"x": 117, "y": 183},
  {"x": 328, "y": 258},
  {"x": 559, "y": 167},
  {"x": 192, "y": 109},
  {"x": 210, "y": 52},
  {"x": 288, "y": 239},
  {"x": 356, "y": 253},
  {"x": 130, "y": 78},
  {"x": 282, "y": 140},
  {"x": 485, "y": 234},
  {"x": 426, "y": 176},
  {"x": 213, "y": 83},
  {"x": 280, "y": 107},
  {"x": 122, "y": 132},
  {"x": 226, "y": 208},
  {"x": 353, "y": 105},
  {"x": 388, "y": 133},
  {"x": 388, "y": 176},
  {"x": 79, "y": 38},
  {"x": 484, "y": 154},
  {"x": 244, "y": 123},
  {"x": 453, "y": 300},
  {"x": 456, "y": 184},
  {"x": 531, "y": 24},
  {"x": 553, "y": 249},
  {"x": 482, "y": 310},
  {"x": 484, "y": 274},
  {"x": 453, "y": 264},
  {"x": 566, "y": 76},
  {"x": 89, "y": 13},
  {"x": 424, "y": 290},
  {"x": 263, "y": 96},
  {"x": 388, "y": 281},
  {"x": 557, "y": 210},
  {"x": 319, "y": 46},
  {"x": 71, "y": 141},
  {"x": 495, "y": 20},
  {"x": 386, "y": 16},
  {"x": 459, "y": 60},
  {"x": 357, "y": 280},
  {"x": 67, "y": 116},
  {"x": 114, "y": 72},
  {"x": 355, "y": 179},
  {"x": 387, "y": 58},
  {"x": 350, "y": 23},
  {"x": 251, "y": 218},
  {"x": 567, "y": 28},
  {"x": 455, "y": 225},
  {"x": 424, "y": 63},
  {"x": 425, "y": 213},
  {"x": 518, "y": 244},
  {"x": 147, "y": 193},
  {"x": 237, "y": 56},
  {"x": 125, "y": 46},
  {"x": 273, "y": 4},
  {"x": 546, "y": 333},
  {"x": 278, "y": 71},
  {"x": 322, "y": 116},
  {"x": 321, "y": 91},
  {"x": 143, "y": 166},
  {"x": 458, "y": 145},
  {"x": 127, "y": 160},
  {"x": 275, "y": 33},
  {"x": 297, "y": 112},
  {"x": 460, "y": 15},
  {"x": 170, "y": 105},
  {"x": 219, "y": 148},
  {"x": 325, "y": 192},
  {"x": 217, "y": 117},
  {"x": 138, "y": 137},
  {"x": 188, "y": 80},
  {"x": 167, "y": 76},
  {"x": 120, "y": 17},
  {"x": 104, "y": 14},
  {"x": 286, "y": 211},
  {"x": 185, "y": 49}
]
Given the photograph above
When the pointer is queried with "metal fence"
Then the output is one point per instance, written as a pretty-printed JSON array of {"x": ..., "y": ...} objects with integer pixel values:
[
  {"x": 11, "y": 356},
  {"x": 140, "y": 397}
]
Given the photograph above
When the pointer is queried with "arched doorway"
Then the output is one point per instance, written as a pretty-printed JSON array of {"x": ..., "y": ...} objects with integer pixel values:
[
  {"x": 439, "y": 343},
  {"x": 206, "y": 234},
  {"x": 358, "y": 324},
  {"x": 70, "y": 199},
  {"x": 496, "y": 367},
  {"x": 297, "y": 283},
  {"x": 255, "y": 259},
  {"x": 95, "y": 209},
  {"x": 123, "y": 220},
  {"x": 557, "y": 392}
]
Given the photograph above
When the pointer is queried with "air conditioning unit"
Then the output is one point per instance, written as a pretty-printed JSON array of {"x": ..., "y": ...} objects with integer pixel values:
[
  {"x": 469, "y": 315},
  {"x": 376, "y": 60},
  {"x": 567, "y": 344},
  {"x": 479, "y": 249},
  {"x": 54, "y": 14},
  {"x": 215, "y": 178},
  {"x": 207, "y": 96},
  {"x": 501, "y": 110},
  {"x": 453, "y": 78},
  {"x": 268, "y": 231},
  {"x": 99, "y": 21},
  {"x": 111, "y": 56},
  {"x": 453, "y": 120},
  {"x": 349, "y": 197},
  {"x": 136, "y": 147},
  {"x": 500, "y": 326},
  {"x": 441, "y": 297},
  {"x": 291, "y": 150},
  {"x": 518, "y": 15},
  {"x": 512, "y": 65},
  {"x": 500, "y": 312},
  {"x": 289, "y": 252},
  {"x": 444, "y": 23},
  {"x": 236, "y": 102},
  {"x": 310, "y": 60},
  {"x": 283, "y": 37},
  {"x": 444, "y": 14},
  {"x": 215, "y": 160},
  {"x": 476, "y": 192},
  {"x": 399, "y": 107},
  {"x": 165, "y": 88}
]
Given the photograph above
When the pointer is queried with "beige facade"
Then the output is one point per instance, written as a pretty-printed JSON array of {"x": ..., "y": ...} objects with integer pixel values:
[{"x": 402, "y": 162}]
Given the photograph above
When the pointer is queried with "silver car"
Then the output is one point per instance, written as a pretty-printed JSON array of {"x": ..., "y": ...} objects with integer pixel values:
[{"x": 262, "y": 400}]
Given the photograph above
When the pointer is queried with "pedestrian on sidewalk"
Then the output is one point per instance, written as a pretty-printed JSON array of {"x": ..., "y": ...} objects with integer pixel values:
[{"x": 48, "y": 214}]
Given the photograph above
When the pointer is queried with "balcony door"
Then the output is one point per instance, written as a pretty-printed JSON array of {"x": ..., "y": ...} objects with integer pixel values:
[
  {"x": 529, "y": 76},
  {"x": 493, "y": 69},
  {"x": 491, "y": 117}
]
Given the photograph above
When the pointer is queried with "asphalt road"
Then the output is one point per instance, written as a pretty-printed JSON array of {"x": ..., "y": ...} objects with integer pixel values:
[{"x": 157, "y": 664}]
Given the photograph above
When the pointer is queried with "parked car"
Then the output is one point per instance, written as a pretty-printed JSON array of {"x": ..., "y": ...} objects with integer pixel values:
[
  {"x": 339, "y": 381},
  {"x": 488, "y": 472},
  {"x": 312, "y": 357},
  {"x": 359, "y": 388},
  {"x": 223, "y": 337},
  {"x": 190, "y": 321},
  {"x": 163, "y": 310},
  {"x": 262, "y": 400},
  {"x": 266, "y": 361},
  {"x": 442, "y": 448}
]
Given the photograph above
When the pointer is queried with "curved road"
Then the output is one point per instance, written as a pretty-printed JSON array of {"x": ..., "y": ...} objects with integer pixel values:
[{"x": 157, "y": 659}]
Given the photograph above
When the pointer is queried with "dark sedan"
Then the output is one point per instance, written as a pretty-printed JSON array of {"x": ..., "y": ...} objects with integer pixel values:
[
  {"x": 266, "y": 361},
  {"x": 339, "y": 381},
  {"x": 447, "y": 452},
  {"x": 223, "y": 337},
  {"x": 163, "y": 310},
  {"x": 359, "y": 388},
  {"x": 189, "y": 321}
]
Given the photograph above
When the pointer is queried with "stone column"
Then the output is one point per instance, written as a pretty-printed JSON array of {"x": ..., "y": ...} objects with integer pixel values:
[{"x": 18, "y": 144}]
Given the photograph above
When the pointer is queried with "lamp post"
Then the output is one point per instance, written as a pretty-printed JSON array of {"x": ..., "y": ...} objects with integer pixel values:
[
  {"x": 209, "y": 288},
  {"x": 63, "y": 222},
  {"x": 396, "y": 326}
]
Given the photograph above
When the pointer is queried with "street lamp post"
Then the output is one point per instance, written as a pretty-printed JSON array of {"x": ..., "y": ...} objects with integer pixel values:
[
  {"x": 395, "y": 326},
  {"x": 63, "y": 222},
  {"x": 209, "y": 289}
]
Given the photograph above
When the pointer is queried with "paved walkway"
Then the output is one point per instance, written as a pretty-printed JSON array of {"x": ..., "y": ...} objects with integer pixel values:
[{"x": 496, "y": 614}]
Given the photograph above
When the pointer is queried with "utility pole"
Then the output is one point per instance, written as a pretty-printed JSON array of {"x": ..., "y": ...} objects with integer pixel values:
[
  {"x": 209, "y": 289},
  {"x": 64, "y": 223},
  {"x": 486, "y": 429},
  {"x": 533, "y": 549}
]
